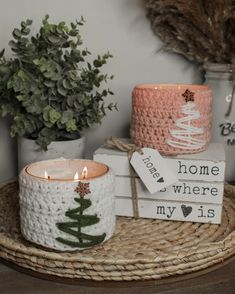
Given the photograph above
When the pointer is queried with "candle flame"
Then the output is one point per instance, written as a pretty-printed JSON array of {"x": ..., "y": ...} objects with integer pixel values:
[
  {"x": 76, "y": 177},
  {"x": 46, "y": 175},
  {"x": 84, "y": 173}
]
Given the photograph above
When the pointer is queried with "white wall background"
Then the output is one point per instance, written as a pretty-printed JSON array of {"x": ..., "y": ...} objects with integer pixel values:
[{"x": 119, "y": 26}]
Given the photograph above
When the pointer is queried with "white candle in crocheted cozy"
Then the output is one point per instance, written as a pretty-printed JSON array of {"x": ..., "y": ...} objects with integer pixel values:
[{"x": 64, "y": 208}]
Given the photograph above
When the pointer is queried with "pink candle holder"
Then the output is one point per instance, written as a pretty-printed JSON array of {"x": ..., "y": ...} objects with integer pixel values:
[{"x": 174, "y": 119}]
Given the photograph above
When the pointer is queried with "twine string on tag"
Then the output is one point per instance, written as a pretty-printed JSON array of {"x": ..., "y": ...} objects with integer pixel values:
[{"x": 115, "y": 143}]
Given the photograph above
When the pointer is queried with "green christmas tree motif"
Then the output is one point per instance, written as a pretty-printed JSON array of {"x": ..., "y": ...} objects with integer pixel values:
[{"x": 80, "y": 220}]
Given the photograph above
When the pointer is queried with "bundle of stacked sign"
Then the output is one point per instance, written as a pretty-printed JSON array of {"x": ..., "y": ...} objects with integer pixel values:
[{"x": 176, "y": 121}]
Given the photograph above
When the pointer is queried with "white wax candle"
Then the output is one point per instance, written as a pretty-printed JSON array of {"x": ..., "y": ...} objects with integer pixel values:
[{"x": 65, "y": 169}]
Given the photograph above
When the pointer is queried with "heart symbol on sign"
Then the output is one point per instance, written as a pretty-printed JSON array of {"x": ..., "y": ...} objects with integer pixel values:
[
  {"x": 186, "y": 210},
  {"x": 161, "y": 180}
]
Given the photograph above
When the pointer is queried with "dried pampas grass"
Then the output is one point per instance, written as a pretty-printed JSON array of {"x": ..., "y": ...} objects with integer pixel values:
[{"x": 201, "y": 30}]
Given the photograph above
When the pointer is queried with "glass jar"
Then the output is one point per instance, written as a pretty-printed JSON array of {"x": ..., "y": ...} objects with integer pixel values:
[{"x": 219, "y": 78}]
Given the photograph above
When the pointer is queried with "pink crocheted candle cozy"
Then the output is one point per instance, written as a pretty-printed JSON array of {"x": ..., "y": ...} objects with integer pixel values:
[{"x": 173, "y": 119}]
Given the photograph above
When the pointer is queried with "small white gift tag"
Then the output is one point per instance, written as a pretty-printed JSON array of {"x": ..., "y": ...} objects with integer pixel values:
[{"x": 153, "y": 169}]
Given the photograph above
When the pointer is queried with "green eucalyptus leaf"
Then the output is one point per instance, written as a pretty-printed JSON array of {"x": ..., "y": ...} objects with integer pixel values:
[
  {"x": 70, "y": 101},
  {"x": 48, "y": 133},
  {"x": 29, "y": 22},
  {"x": 13, "y": 44},
  {"x": 21, "y": 97},
  {"x": 49, "y": 83},
  {"x": 4, "y": 110},
  {"x": 62, "y": 91},
  {"x": 25, "y": 31},
  {"x": 2, "y": 53},
  {"x": 43, "y": 141},
  {"x": 54, "y": 39},
  {"x": 36, "y": 61},
  {"x": 71, "y": 125},
  {"x": 67, "y": 85},
  {"x": 54, "y": 116},
  {"x": 66, "y": 116},
  {"x": 77, "y": 105},
  {"x": 16, "y": 33},
  {"x": 34, "y": 104},
  {"x": 54, "y": 76},
  {"x": 97, "y": 63},
  {"x": 4, "y": 70},
  {"x": 46, "y": 113},
  {"x": 48, "y": 124}
]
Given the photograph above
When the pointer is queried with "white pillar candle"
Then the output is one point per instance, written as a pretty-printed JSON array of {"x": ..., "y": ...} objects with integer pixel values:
[{"x": 61, "y": 212}]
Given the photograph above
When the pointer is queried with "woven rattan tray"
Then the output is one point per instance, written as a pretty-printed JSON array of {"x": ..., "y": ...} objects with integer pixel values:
[{"x": 141, "y": 249}]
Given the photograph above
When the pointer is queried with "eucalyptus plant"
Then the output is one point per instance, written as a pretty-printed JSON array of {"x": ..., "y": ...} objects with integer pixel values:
[{"x": 51, "y": 87}]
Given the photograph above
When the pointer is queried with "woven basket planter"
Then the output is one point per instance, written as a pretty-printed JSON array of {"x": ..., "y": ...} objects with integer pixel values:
[
  {"x": 173, "y": 119},
  {"x": 67, "y": 214}
]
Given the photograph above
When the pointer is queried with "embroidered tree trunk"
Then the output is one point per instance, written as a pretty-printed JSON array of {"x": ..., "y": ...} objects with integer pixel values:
[{"x": 80, "y": 220}]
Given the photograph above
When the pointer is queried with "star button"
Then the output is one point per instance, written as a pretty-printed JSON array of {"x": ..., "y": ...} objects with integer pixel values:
[{"x": 188, "y": 95}]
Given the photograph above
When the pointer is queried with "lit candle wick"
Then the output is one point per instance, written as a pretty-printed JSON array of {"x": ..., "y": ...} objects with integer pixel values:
[
  {"x": 84, "y": 173},
  {"x": 46, "y": 176},
  {"x": 76, "y": 177}
]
